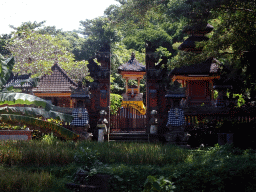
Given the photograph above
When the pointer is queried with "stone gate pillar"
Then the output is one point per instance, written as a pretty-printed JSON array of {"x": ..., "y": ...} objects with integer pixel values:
[
  {"x": 100, "y": 88},
  {"x": 155, "y": 86}
]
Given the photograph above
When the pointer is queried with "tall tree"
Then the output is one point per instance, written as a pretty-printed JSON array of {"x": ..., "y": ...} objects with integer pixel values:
[
  {"x": 141, "y": 21},
  {"x": 233, "y": 39},
  {"x": 3, "y": 41},
  {"x": 36, "y": 53},
  {"x": 97, "y": 32}
]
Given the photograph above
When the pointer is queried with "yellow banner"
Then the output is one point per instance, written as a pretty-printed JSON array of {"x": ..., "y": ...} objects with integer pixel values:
[{"x": 138, "y": 105}]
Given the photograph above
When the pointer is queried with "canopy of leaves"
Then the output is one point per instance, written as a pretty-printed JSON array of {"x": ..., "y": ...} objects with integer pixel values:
[
  {"x": 36, "y": 53},
  {"x": 97, "y": 33}
]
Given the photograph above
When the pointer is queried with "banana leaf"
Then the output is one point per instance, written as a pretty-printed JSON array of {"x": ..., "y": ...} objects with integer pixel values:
[
  {"x": 35, "y": 112},
  {"x": 23, "y": 98},
  {"x": 44, "y": 125},
  {"x": 5, "y": 69}
]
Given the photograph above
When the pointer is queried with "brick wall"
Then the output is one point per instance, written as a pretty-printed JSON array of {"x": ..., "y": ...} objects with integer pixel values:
[
  {"x": 15, "y": 135},
  {"x": 64, "y": 101}
]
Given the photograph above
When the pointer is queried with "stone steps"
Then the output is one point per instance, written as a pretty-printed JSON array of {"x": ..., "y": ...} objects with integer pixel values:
[{"x": 141, "y": 137}]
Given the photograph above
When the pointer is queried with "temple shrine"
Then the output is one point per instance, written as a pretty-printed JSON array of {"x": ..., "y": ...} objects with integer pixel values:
[
  {"x": 133, "y": 70},
  {"x": 197, "y": 78},
  {"x": 56, "y": 87}
]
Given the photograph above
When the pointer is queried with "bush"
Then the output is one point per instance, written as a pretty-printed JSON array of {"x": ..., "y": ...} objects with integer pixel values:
[{"x": 153, "y": 184}]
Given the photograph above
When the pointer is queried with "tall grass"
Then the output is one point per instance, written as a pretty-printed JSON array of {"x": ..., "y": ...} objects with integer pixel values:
[
  {"x": 138, "y": 153},
  {"x": 62, "y": 153},
  {"x": 36, "y": 153},
  {"x": 32, "y": 164},
  {"x": 20, "y": 180}
]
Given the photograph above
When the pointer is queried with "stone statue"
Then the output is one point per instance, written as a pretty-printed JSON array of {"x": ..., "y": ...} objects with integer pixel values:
[
  {"x": 101, "y": 125},
  {"x": 153, "y": 122}
]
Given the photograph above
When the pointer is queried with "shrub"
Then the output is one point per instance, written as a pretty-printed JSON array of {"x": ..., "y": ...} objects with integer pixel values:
[{"x": 153, "y": 184}]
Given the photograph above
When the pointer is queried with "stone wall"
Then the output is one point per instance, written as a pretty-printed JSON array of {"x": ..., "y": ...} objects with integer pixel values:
[{"x": 15, "y": 135}]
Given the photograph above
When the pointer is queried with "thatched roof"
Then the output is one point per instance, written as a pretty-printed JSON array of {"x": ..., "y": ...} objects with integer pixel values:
[
  {"x": 189, "y": 43},
  {"x": 132, "y": 65},
  {"x": 198, "y": 29},
  {"x": 210, "y": 66}
]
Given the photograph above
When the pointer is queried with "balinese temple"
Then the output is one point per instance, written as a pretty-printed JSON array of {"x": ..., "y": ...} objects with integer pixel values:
[
  {"x": 197, "y": 78},
  {"x": 133, "y": 70},
  {"x": 56, "y": 87}
]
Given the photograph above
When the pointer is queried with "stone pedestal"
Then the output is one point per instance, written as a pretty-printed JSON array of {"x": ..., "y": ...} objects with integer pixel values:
[
  {"x": 225, "y": 138},
  {"x": 176, "y": 135},
  {"x": 100, "y": 135}
]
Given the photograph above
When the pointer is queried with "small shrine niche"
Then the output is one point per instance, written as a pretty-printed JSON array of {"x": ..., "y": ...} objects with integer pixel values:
[
  {"x": 80, "y": 97},
  {"x": 80, "y": 101},
  {"x": 130, "y": 71},
  {"x": 176, "y": 118}
]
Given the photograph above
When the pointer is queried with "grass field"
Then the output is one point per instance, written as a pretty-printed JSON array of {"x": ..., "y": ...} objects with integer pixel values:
[{"x": 48, "y": 164}]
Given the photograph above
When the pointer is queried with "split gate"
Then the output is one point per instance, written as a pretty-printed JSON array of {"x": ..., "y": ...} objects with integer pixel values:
[{"x": 127, "y": 120}]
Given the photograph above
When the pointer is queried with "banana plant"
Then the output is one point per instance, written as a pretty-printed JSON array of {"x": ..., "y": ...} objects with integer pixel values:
[
  {"x": 37, "y": 107},
  {"x": 44, "y": 126}
]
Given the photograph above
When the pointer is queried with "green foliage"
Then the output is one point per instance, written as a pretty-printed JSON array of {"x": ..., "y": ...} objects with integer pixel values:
[
  {"x": 6, "y": 67},
  {"x": 14, "y": 180},
  {"x": 44, "y": 125},
  {"x": 115, "y": 103},
  {"x": 215, "y": 94},
  {"x": 86, "y": 158},
  {"x": 240, "y": 100},
  {"x": 12, "y": 115},
  {"x": 97, "y": 33},
  {"x": 49, "y": 139},
  {"x": 205, "y": 169},
  {"x": 36, "y": 53},
  {"x": 158, "y": 185},
  {"x": 3, "y": 40},
  {"x": 133, "y": 153},
  {"x": 36, "y": 112}
]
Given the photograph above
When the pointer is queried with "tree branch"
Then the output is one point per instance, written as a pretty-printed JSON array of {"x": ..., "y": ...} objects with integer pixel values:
[{"x": 240, "y": 9}]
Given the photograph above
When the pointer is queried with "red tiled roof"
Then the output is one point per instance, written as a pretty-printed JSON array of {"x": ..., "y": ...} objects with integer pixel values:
[{"x": 57, "y": 81}]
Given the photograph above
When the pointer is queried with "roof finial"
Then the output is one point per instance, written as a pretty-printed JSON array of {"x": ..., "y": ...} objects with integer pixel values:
[{"x": 132, "y": 56}]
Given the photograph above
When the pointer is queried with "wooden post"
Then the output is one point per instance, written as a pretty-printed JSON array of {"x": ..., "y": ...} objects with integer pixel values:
[
  {"x": 126, "y": 85},
  {"x": 138, "y": 85}
]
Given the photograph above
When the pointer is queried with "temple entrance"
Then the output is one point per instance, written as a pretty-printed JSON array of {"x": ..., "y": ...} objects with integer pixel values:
[
  {"x": 128, "y": 120},
  {"x": 131, "y": 117}
]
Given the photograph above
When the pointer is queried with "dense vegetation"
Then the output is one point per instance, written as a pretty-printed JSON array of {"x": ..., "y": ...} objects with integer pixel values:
[
  {"x": 129, "y": 24},
  {"x": 49, "y": 164}
]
